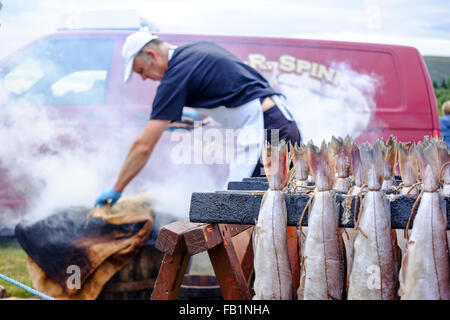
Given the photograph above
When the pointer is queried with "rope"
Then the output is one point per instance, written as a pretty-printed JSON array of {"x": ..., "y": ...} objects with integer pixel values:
[
  {"x": 26, "y": 288},
  {"x": 397, "y": 189},
  {"x": 348, "y": 206},
  {"x": 405, "y": 233},
  {"x": 304, "y": 187},
  {"x": 356, "y": 223},
  {"x": 413, "y": 186},
  {"x": 304, "y": 210},
  {"x": 350, "y": 183}
]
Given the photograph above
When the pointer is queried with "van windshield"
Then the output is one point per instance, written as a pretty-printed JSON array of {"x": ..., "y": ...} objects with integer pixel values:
[{"x": 61, "y": 72}]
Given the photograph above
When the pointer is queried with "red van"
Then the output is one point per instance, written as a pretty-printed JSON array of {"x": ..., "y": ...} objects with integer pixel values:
[{"x": 333, "y": 88}]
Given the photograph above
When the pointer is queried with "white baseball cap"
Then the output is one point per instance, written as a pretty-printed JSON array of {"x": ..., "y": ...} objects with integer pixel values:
[{"x": 131, "y": 47}]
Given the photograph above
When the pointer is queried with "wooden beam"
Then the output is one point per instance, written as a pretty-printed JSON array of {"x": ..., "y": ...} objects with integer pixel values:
[
  {"x": 242, "y": 207},
  {"x": 208, "y": 236},
  {"x": 171, "y": 234},
  {"x": 171, "y": 273}
]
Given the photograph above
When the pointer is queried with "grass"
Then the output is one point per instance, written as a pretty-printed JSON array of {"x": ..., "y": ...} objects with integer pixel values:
[
  {"x": 13, "y": 264},
  {"x": 200, "y": 264}
]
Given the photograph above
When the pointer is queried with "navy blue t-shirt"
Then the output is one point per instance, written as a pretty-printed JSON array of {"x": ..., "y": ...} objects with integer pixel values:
[{"x": 205, "y": 75}]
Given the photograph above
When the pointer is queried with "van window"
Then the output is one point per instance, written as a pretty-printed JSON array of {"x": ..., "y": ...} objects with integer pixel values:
[
  {"x": 66, "y": 72},
  {"x": 80, "y": 87},
  {"x": 24, "y": 76}
]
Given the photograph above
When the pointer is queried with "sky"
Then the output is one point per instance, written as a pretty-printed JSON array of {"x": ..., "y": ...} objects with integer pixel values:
[{"x": 421, "y": 24}]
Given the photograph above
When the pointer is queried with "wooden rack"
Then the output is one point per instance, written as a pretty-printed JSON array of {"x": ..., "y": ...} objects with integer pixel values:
[{"x": 216, "y": 218}]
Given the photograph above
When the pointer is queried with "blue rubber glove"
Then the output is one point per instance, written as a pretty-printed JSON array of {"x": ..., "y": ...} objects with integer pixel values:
[
  {"x": 191, "y": 115},
  {"x": 107, "y": 195},
  {"x": 187, "y": 121}
]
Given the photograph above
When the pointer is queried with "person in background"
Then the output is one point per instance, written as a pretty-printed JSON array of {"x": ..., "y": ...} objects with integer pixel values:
[{"x": 445, "y": 122}]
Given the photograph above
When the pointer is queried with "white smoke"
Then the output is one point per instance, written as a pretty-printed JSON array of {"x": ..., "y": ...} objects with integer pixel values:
[
  {"x": 172, "y": 181},
  {"x": 322, "y": 109},
  {"x": 51, "y": 164}
]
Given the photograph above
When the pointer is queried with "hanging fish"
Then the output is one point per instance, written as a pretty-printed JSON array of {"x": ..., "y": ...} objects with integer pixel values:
[
  {"x": 355, "y": 193},
  {"x": 389, "y": 150},
  {"x": 373, "y": 269},
  {"x": 424, "y": 273},
  {"x": 323, "y": 265},
  {"x": 407, "y": 162},
  {"x": 273, "y": 276}
]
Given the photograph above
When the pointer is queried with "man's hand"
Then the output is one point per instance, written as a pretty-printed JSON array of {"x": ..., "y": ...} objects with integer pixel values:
[
  {"x": 189, "y": 120},
  {"x": 108, "y": 194}
]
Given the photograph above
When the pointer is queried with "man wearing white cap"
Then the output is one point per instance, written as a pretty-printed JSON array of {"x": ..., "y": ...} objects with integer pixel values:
[{"x": 212, "y": 80}]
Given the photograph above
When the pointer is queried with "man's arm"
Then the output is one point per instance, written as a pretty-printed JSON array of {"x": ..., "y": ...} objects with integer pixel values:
[{"x": 140, "y": 152}]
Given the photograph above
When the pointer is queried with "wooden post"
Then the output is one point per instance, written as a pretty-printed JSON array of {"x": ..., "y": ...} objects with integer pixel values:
[
  {"x": 181, "y": 239},
  {"x": 244, "y": 245},
  {"x": 227, "y": 268},
  {"x": 216, "y": 239},
  {"x": 294, "y": 260},
  {"x": 176, "y": 257}
]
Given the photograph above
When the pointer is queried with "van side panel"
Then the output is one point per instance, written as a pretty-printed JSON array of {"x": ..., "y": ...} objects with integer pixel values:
[
  {"x": 404, "y": 103},
  {"x": 417, "y": 115}
]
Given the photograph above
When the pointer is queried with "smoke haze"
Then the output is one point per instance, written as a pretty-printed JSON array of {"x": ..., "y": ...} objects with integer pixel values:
[{"x": 52, "y": 166}]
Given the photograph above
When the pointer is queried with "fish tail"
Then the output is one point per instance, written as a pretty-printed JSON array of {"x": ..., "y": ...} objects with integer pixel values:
[
  {"x": 407, "y": 161},
  {"x": 391, "y": 154},
  {"x": 276, "y": 164},
  {"x": 356, "y": 165},
  {"x": 321, "y": 162},
  {"x": 428, "y": 157},
  {"x": 348, "y": 146},
  {"x": 372, "y": 164}
]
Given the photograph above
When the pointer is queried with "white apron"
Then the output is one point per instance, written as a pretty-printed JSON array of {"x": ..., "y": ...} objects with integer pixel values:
[{"x": 247, "y": 121}]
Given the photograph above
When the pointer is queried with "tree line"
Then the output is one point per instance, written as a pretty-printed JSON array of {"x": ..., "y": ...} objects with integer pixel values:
[{"x": 442, "y": 92}]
